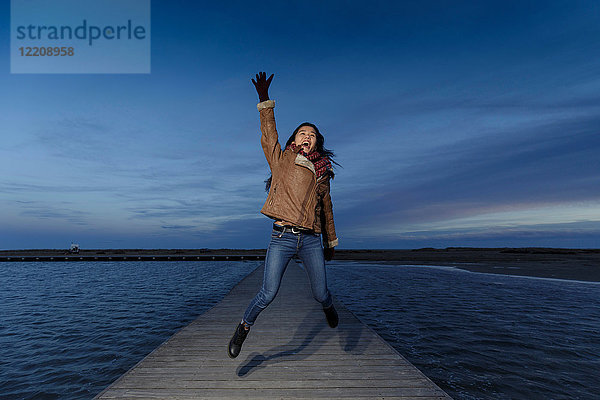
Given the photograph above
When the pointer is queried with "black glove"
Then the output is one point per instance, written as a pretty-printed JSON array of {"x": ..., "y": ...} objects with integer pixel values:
[
  {"x": 262, "y": 85},
  {"x": 329, "y": 252}
]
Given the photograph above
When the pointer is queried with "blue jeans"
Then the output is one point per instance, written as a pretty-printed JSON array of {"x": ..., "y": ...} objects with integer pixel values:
[{"x": 282, "y": 248}]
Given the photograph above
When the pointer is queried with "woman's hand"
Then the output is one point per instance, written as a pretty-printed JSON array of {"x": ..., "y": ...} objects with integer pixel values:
[
  {"x": 262, "y": 85},
  {"x": 329, "y": 252}
]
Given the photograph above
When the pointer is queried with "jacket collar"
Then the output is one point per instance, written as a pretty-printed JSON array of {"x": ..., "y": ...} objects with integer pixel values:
[{"x": 305, "y": 162}]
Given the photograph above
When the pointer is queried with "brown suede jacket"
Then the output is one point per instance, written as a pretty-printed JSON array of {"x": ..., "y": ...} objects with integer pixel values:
[{"x": 296, "y": 196}]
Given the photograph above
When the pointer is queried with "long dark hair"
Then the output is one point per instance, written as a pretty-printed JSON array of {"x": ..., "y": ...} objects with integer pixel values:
[{"x": 319, "y": 147}]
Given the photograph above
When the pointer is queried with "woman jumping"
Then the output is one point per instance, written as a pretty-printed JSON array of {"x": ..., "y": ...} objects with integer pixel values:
[{"x": 300, "y": 205}]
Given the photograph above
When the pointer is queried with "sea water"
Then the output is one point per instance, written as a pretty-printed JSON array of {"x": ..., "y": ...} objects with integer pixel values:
[
  {"x": 482, "y": 336},
  {"x": 69, "y": 329}
]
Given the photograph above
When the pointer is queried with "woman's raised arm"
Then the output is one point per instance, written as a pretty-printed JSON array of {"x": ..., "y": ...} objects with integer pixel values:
[{"x": 269, "y": 139}]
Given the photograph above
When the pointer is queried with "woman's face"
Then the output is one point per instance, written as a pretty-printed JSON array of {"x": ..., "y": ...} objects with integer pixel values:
[{"x": 307, "y": 138}]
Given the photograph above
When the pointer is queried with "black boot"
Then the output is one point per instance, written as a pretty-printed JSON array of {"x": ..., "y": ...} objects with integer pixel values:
[
  {"x": 235, "y": 344},
  {"x": 332, "y": 316}
]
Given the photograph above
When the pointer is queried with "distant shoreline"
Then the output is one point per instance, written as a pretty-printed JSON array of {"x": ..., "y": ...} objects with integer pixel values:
[{"x": 572, "y": 264}]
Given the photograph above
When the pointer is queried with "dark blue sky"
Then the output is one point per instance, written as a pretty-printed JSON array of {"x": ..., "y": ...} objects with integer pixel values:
[{"x": 463, "y": 123}]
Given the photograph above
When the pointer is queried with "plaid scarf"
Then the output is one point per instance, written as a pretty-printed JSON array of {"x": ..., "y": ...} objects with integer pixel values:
[{"x": 321, "y": 162}]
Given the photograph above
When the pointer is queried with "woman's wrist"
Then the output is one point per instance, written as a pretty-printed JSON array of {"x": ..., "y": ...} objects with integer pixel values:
[{"x": 265, "y": 104}]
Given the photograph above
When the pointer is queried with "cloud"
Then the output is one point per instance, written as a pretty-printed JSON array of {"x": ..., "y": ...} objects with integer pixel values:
[
  {"x": 55, "y": 212},
  {"x": 445, "y": 123},
  {"x": 537, "y": 166},
  {"x": 178, "y": 227},
  {"x": 574, "y": 235}
]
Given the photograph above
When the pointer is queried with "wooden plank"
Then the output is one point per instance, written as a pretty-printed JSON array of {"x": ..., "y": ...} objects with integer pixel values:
[
  {"x": 289, "y": 353},
  {"x": 275, "y": 384}
]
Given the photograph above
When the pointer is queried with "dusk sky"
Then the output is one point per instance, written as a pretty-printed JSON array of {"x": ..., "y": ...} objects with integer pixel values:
[{"x": 457, "y": 123}]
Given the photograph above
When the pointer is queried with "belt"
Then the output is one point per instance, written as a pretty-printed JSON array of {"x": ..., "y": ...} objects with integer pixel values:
[{"x": 294, "y": 229}]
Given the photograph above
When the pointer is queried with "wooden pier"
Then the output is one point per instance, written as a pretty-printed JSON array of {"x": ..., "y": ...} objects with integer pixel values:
[
  {"x": 129, "y": 257},
  {"x": 290, "y": 353}
]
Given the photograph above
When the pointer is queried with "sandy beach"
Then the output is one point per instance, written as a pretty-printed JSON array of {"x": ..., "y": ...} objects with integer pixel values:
[{"x": 573, "y": 264}]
